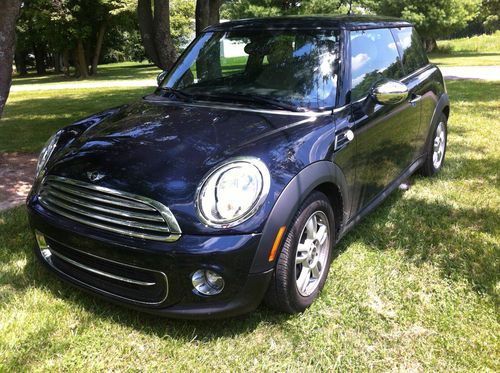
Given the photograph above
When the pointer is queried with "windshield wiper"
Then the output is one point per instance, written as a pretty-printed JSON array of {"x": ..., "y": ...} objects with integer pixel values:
[{"x": 249, "y": 97}]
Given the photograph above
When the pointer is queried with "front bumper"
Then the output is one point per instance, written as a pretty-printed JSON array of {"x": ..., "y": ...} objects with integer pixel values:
[{"x": 151, "y": 276}]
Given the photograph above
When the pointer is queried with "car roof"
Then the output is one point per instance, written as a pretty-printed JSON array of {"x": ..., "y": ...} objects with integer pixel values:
[{"x": 350, "y": 22}]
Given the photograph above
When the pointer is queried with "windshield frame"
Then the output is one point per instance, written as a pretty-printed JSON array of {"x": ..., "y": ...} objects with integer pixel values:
[{"x": 172, "y": 75}]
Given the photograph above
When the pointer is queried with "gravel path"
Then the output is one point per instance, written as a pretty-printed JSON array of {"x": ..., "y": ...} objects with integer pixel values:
[{"x": 17, "y": 171}]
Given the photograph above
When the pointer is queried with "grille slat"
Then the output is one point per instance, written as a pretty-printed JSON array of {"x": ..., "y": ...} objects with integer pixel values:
[
  {"x": 105, "y": 209},
  {"x": 106, "y": 199},
  {"x": 136, "y": 216}
]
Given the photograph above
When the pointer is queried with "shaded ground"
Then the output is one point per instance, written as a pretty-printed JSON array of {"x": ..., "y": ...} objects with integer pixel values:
[{"x": 17, "y": 171}]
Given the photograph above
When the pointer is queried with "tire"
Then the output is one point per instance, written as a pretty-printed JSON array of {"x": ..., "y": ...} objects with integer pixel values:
[
  {"x": 283, "y": 293},
  {"x": 431, "y": 166}
]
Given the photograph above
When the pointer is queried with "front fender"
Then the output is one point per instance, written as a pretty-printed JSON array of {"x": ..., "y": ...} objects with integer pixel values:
[{"x": 289, "y": 201}]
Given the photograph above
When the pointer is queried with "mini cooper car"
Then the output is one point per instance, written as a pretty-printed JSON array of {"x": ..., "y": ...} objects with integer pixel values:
[{"x": 231, "y": 184}]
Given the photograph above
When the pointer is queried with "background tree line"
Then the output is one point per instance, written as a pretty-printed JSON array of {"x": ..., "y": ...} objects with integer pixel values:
[{"x": 75, "y": 36}]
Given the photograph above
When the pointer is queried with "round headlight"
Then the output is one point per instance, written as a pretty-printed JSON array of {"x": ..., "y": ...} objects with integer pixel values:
[
  {"x": 233, "y": 192},
  {"x": 46, "y": 152}
]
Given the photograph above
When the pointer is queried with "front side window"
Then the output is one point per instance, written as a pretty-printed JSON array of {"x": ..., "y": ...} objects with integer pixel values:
[
  {"x": 374, "y": 57},
  {"x": 414, "y": 56},
  {"x": 294, "y": 69}
]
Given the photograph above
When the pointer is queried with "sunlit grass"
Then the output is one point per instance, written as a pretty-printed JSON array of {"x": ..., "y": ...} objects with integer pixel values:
[
  {"x": 481, "y": 50},
  {"x": 415, "y": 286}
]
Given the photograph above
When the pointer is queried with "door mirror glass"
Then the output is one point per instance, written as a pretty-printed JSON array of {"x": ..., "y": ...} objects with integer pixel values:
[
  {"x": 161, "y": 76},
  {"x": 389, "y": 92}
]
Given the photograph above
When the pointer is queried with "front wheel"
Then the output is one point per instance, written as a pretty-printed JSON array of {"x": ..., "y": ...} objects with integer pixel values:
[
  {"x": 436, "y": 149},
  {"x": 304, "y": 261}
]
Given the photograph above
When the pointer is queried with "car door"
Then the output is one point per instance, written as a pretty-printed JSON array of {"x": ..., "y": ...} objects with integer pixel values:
[
  {"x": 417, "y": 78},
  {"x": 385, "y": 134}
]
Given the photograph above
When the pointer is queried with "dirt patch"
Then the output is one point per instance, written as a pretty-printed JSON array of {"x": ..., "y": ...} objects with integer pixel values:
[{"x": 17, "y": 171}]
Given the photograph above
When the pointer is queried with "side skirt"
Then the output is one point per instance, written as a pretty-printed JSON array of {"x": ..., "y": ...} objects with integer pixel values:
[{"x": 381, "y": 196}]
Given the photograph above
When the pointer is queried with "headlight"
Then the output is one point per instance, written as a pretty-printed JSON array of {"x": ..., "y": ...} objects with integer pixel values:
[
  {"x": 232, "y": 192},
  {"x": 46, "y": 152}
]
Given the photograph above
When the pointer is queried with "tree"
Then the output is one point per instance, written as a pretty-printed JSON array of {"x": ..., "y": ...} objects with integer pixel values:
[
  {"x": 490, "y": 15},
  {"x": 9, "y": 12},
  {"x": 207, "y": 13},
  {"x": 181, "y": 21},
  {"x": 155, "y": 32},
  {"x": 432, "y": 18}
]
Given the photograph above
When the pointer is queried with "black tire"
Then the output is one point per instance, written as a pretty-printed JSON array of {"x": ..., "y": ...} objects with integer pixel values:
[
  {"x": 429, "y": 168},
  {"x": 283, "y": 293}
]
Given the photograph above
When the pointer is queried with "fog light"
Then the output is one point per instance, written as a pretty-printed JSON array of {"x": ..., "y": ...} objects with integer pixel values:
[
  {"x": 207, "y": 282},
  {"x": 42, "y": 245}
]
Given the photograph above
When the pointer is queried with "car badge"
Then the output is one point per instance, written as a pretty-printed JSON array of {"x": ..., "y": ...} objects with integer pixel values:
[{"x": 95, "y": 175}]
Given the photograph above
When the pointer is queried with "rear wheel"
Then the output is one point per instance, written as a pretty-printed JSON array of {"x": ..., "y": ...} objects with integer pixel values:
[
  {"x": 436, "y": 149},
  {"x": 304, "y": 261}
]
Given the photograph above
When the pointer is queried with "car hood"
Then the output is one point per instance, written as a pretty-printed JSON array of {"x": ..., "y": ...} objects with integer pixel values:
[{"x": 162, "y": 149}]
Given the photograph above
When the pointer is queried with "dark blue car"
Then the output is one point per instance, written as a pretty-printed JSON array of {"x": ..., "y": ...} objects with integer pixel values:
[{"x": 231, "y": 183}]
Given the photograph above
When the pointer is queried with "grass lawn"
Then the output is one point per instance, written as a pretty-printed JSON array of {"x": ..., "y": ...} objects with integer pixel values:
[
  {"x": 482, "y": 50},
  {"x": 415, "y": 286}
]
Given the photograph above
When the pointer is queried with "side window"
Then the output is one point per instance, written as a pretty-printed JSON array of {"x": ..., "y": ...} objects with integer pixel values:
[
  {"x": 414, "y": 56},
  {"x": 374, "y": 56}
]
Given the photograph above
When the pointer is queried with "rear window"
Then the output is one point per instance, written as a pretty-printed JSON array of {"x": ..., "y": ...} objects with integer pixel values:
[
  {"x": 414, "y": 56},
  {"x": 374, "y": 56}
]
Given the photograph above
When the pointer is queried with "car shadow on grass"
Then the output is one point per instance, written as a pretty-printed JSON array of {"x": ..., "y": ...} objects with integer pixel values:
[{"x": 459, "y": 242}]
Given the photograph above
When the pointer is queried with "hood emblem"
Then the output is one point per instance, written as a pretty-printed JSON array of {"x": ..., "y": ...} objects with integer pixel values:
[{"x": 95, "y": 175}]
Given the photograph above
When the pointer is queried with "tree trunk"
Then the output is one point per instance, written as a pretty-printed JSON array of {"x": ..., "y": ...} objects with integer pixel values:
[
  {"x": 65, "y": 62},
  {"x": 429, "y": 44},
  {"x": 98, "y": 48},
  {"x": 163, "y": 40},
  {"x": 57, "y": 62},
  {"x": 9, "y": 11},
  {"x": 81, "y": 60},
  {"x": 20, "y": 59},
  {"x": 207, "y": 13},
  {"x": 145, "y": 18},
  {"x": 39, "y": 51}
]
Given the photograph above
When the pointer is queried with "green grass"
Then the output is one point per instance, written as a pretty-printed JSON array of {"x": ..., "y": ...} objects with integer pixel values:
[
  {"x": 31, "y": 117},
  {"x": 415, "y": 287},
  {"x": 482, "y": 50}
]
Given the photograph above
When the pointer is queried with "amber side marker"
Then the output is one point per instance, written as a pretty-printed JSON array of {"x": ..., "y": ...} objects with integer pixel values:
[{"x": 277, "y": 240}]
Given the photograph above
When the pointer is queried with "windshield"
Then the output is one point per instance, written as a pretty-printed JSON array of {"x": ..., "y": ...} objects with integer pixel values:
[{"x": 291, "y": 69}]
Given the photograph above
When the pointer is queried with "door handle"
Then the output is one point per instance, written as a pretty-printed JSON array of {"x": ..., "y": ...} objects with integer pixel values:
[{"x": 414, "y": 99}]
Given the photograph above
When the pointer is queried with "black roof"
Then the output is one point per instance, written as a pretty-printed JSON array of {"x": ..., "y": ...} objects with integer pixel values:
[{"x": 352, "y": 22}]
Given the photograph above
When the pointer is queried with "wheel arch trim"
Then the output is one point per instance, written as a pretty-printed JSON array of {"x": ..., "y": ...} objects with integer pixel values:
[
  {"x": 289, "y": 201},
  {"x": 442, "y": 106}
]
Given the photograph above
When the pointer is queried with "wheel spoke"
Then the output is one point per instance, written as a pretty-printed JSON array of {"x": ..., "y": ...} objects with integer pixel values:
[
  {"x": 302, "y": 252},
  {"x": 304, "y": 278},
  {"x": 322, "y": 234},
  {"x": 316, "y": 270},
  {"x": 311, "y": 227}
]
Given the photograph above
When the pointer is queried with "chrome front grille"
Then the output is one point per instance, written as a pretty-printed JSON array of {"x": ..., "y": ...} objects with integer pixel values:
[{"x": 109, "y": 209}]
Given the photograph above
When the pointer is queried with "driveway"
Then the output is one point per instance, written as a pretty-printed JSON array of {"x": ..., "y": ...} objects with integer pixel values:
[
  {"x": 471, "y": 72},
  {"x": 84, "y": 84}
]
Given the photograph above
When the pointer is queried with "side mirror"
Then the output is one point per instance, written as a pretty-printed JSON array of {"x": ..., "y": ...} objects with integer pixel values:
[
  {"x": 161, "y": 76},
  {"x": 389, "y": 92}
]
